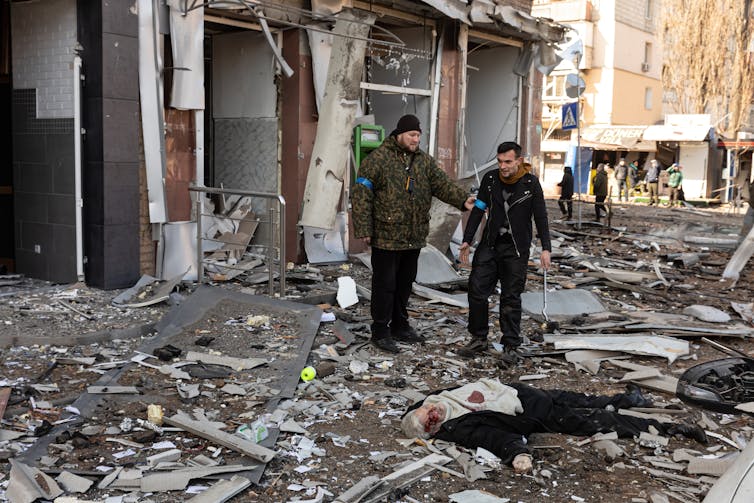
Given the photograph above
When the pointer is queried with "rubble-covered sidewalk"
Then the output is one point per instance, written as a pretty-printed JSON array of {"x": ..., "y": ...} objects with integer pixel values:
[{"x": 175, "y": 392}]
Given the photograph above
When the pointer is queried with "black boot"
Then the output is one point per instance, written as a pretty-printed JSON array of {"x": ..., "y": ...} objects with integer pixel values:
[
  {"x": 635, "y": 398},
  {"x": 382, "y": 338},
  {"x": 407, "y": 334},
  {"x": 689, "y": 431},
  {"x": 474, "y": 348}
]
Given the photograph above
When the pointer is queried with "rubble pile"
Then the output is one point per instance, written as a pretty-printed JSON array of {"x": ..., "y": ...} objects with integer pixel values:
[{"x": 221, "y": 393}]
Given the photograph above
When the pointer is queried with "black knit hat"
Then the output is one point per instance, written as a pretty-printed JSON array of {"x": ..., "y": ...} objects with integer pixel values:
[{"x": 407, "y": 123}]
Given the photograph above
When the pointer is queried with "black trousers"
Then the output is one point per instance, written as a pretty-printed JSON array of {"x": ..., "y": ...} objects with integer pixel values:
[
  {"x": 599, "y": 207},
  {"x": 490, "y": 265},
  {"x": 573, "y": 413},
  {"x": 566, "y": 203},
  {"x": 393, "y": 274}
]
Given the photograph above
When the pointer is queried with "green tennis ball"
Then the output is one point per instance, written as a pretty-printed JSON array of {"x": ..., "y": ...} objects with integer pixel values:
[{"x": 308, "y": 373}]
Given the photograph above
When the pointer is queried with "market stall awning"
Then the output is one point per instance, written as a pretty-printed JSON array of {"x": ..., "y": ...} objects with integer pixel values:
[
  {"x": 628, "y": 138},
  {"x": 677, "y": 133}
]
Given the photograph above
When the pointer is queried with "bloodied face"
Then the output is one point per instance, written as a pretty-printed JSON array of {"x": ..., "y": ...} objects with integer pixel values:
[{"x": 431, "y": 416}]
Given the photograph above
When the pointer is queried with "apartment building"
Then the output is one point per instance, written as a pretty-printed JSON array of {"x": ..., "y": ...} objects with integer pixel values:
[{"x": 621, "y": 65}]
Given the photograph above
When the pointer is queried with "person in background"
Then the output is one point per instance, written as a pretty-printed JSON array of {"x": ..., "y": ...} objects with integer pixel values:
[
  {"x": 565, "y": 202},
  {"x": 391, "y": 200},
  {"x": 510, "y": 196},
  {"x": 633, "y": 176},
  {"x": 621, "y": 173},
  {"x": 652, "y": 178},
  {"x": 675, "y": 179},
  {"x": 599, "y": 187}
]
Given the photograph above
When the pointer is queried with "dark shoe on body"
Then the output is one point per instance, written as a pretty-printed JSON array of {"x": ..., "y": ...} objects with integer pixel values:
[{"x": 474, "y": 348}]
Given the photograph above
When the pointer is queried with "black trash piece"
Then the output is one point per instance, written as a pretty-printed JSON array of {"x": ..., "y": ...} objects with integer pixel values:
[
  {"x": 204, "y": 340},
  {"x": 396, "y": 382},
  {"x": 167, "y": 353},
  {"x": 43, "y": 429}
]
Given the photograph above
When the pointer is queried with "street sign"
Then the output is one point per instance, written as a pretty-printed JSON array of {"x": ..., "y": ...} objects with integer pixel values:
[
  {"x": 570, "y": 115},
  {"x": 574, "y": 86}
]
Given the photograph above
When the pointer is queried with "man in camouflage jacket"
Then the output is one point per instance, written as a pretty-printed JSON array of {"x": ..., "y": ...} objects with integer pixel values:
[{"x": 390, "y": 210}]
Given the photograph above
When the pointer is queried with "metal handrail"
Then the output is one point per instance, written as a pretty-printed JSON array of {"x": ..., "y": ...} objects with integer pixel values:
[{"x": 270, "y": 196}]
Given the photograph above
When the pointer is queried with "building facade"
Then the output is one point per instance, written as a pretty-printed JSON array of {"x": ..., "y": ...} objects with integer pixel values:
[{"x": 118, "y": 107}]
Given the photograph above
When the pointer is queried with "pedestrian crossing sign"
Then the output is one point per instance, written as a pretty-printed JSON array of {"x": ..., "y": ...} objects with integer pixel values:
[{"x": 569, "y": 115}]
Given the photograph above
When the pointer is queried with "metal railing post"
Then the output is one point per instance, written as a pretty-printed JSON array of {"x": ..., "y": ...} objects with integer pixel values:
[
  {"x": 271, "y": 248},
  {"x": 199, "y": 254},
  {"x": 283, "y": 264}
]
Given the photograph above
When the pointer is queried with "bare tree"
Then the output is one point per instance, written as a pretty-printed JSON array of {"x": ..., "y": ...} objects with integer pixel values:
[{"x": 708, "y": 66}]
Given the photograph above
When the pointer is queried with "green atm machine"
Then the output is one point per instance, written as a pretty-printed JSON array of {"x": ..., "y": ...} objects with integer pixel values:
[{"x": 366, "y": 137}]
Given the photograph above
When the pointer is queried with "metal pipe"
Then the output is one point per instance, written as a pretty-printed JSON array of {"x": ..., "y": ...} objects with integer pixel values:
[{"x": 78, "y": 199}]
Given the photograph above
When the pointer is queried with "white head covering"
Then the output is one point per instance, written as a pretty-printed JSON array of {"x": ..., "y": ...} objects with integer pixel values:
[{"x": 485, "y": 394}]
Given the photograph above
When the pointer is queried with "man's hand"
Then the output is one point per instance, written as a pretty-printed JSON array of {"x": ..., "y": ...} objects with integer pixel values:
[
  {"x": 367, "y": 241},
  {"x": 544, "y": 259},
  {"x": 522, "y": 463},
  {"x": 469, "y": 204},
  {"x": 463, "y": 253}
]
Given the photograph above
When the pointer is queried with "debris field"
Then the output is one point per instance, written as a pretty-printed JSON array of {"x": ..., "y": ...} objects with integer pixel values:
[{"x": 186, "y": 392}]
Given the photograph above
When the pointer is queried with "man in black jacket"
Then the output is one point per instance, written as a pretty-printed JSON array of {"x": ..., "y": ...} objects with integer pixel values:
[
  {"x": 510, "y": 196},
  {"x": 566, "y": 193},
  {"x": 474, "y": 415}
]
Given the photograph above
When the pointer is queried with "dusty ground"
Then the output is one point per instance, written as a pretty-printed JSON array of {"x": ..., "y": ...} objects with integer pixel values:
[{"x": 359, "y": 438}]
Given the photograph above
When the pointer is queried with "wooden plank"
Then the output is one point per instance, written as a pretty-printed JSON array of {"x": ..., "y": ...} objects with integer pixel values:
[
  {"x": 219, "y": 437},
  {"x": 222, "y": 491}
]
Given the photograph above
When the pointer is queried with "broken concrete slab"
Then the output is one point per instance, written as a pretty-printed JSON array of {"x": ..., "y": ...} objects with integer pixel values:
[
  {"x": 28, "y": 484},
  {"x": 222, "y": 491},
  {"x": 562, "y": 303},
  {"x": 650, "y": 345},
  {"x": 711, "y": 466},
  {"x": 73, "y": 483},
  {"x": 707, "y": 313}
]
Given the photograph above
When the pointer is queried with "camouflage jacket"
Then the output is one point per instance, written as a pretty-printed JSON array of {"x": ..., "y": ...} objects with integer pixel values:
[{"x": 384, "y": 208}]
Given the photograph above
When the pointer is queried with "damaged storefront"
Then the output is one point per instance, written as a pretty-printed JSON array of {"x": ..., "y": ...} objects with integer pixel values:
[{"x": 259, "y": 99}]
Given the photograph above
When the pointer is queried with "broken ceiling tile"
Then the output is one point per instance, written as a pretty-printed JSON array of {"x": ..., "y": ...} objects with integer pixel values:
[{"x": 347, "y": 296}]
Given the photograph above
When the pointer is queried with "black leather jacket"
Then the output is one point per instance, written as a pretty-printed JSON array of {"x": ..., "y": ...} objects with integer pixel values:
[{"x": 526, "y": 200}]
